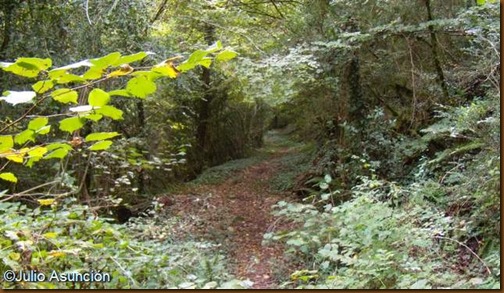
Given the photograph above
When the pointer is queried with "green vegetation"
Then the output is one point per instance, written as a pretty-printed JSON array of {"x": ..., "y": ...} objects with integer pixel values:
[{"x": 133, "y": 132}]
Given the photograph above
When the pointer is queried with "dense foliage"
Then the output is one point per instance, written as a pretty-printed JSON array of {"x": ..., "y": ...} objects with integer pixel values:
[{"x": 394, "y": 106}]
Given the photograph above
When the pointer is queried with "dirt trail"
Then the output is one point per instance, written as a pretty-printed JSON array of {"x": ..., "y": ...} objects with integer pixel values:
[{"x": 237, "y": 213}]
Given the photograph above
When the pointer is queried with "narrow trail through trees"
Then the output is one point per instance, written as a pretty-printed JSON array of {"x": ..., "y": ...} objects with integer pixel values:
[{"x": 237, "y": 213}]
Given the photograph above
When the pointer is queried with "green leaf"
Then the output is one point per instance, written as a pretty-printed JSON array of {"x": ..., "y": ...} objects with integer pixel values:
[
  {"x": 98, "y": 98},
  {"x": 59, "y": 150},
  {"x": 38, "y": 123},
  {"x": 226, "y": 55},
  {"x": 122, "y": 93},
  {"x": 101, "y": 136},
  {"x": 56, "y": 154},
  {"x": 29, "y": 67},
  {"x": 205, "y": 62},
  {"x": 44, "y": 130},
  {"x": 14, "y": 98},
  {"x": 67, "y": 78},
  {"x": 65, "y": 96},
  {"x": 111, "y": 112},
  {"x": 25, "y": 136},
  {"x": 71, "y": 124},
  {"x": 101, "y": 145},
  {"x": 106, "y": 61},
  {"x": 93, "y": 73},
  {"x": 6, "y": 142},
  {"x": 193, "y": 60},
  {"x": 130, "y": 58},
  {"x": 93, "y": 117},
  {"x": 43, "y": 86},
  {"x": 196, "y": 56},
  {"x": 166, "y": 69},
  {"x": 8, "y": 176},
  {"x": 141, "y": 86}
]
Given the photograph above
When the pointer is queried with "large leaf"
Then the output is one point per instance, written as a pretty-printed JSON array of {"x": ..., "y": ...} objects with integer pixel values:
[
  {"x": 24, "y": 136},
  {"x": 29, "y": 67},
  {"x": 125, "y": 69},
  {"x": 101, "y": 145},
  {"x": 130, "y": 58},
  {"x": 67, "y": 78},
  {"x": 122, "y": 93},
  {"x": 106, "y": 61},
  {"x": 35, "y": 154},
  {"x": 38, "y": 123},
  {"x": 14, "y": 98},
  {"x": 166, "y": 69},
  {"x": 141, "y": 86},
  {"x": 226, "y": 55},
  {"x": 43, "y": 86},
  {"x": 101, "y": 136},
  {"x": 58, "y": 150},
  {"x": 71, "y": 124},
  {"x": 98, "y": 98},
  {"x": 6, "y": 142},
  {"x": 93, "y": 73},
  {"x": 111, "y": 112},
  {"x": 15, "y": 156},
  {"x": 65, "y": 96},
  {"x": 8, "y": 176}
]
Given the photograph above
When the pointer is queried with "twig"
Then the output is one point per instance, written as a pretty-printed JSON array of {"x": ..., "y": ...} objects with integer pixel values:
[
  {"x": 87, "y": 12},
  {"x": 470, "y": 250}
]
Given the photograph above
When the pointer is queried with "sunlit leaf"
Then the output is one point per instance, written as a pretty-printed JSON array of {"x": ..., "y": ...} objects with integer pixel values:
[
  {"x": 93, "y": 117},
  {"x": 8, "y": 176},
  {"x": 44, "y": 130},
  {"x": 226, "y": 55},
  {"x": 122, "y": 93},
  {"x": 123, "y": 70},
  {"x": 14, "y": 98},
  {"x": 6, "y": 142},
  {"x": 65, "y": 95},
  {"x": 93, "y": 73},
  {"x": 205, "y": 62},
  {"x": 37, "y": 151},
  {"x": 15, "y": 156},
  {"x": 106, "y": 61},
  {"x": 24, "y": 136},
  {"x": 140, "y": 86},
  {"x": 38, "y": 123},
  {"x": 101, "y": 145},
  {"x": 46, "y": 202},
  {"x": 166, "y": 69},
  {"x": 29, "y": 67},
  {"x": 130, "y": 58},
  {"x": 67, "y": 78},
  {"x": 98, "y": 98},
  {"x": 111, "y": 112},
  {"x": 71, "y": 124},
  {"x": 59, "y": 150},
  {"x": 101, "y": 136},
  {"x": 43, "y": 86}
]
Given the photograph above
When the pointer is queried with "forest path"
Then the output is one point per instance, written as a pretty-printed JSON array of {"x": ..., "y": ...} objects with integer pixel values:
[{"x": 236, "y": 212}]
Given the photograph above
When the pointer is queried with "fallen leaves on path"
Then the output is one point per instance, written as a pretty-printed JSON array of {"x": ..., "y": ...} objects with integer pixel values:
[{"x": 237, "y": 213}]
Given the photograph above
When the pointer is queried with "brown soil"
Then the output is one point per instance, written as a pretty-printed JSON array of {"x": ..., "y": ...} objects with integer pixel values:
[{"x": 237, "y": 213}]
